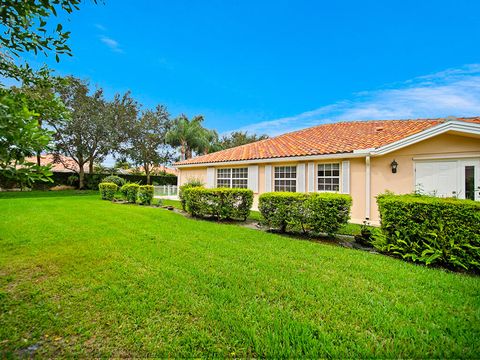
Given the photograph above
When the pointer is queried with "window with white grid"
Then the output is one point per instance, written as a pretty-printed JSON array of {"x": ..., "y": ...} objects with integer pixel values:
[
  {"x": 328, "y": 177},
  {"x": 232, "y": 178},
  {"x": 285, "y": 178}
]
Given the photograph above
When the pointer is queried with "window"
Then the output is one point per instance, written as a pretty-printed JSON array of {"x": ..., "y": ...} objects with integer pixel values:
[
  {"x": 286, "y": 178},
  {"x": 232, "y": 178},
  {"x": 328, "y": 177}
]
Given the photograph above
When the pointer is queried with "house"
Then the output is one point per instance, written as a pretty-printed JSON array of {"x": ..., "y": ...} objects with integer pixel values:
[
  {"x": 156, "y": 170},
  {"x": 59, "y": 163},
  {"x": 360, "y": 158}
]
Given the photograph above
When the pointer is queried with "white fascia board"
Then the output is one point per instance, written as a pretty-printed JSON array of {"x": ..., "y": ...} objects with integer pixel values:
[
  {"x": 460, "y": 126},
  {"x": 276, "y": 160}
]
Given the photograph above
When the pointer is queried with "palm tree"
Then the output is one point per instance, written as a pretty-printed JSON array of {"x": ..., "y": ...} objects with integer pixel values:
[{"x": 187, "y": 134}]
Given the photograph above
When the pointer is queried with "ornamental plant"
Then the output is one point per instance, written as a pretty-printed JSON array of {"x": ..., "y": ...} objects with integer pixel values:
[
  {"x": 115, "y": 179},
  {"x": 430, "y": 230},
  {"x": 316, "y": 213},
  {"x": 145, "y": 194},
  {"x": 219, "y": 203},
  {"x": 130, "y": 192},
  {"x": 107, "y": 190}
]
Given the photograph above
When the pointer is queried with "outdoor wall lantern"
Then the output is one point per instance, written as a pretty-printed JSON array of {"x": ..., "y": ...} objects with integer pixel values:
[{"x": 394, "y": 166}]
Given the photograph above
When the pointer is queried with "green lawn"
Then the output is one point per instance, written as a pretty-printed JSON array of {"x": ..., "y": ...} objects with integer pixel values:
[{"x": 85, "y": 277}]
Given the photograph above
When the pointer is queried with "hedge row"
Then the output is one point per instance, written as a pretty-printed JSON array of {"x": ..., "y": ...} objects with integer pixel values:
[
  {"x": 431, "y": 230},
  {"x": 92, "y": 180},
  {"x": 317, "y": 212},
  {"x": 219, "y": 203},
  {"x": 132, "y": 193}
]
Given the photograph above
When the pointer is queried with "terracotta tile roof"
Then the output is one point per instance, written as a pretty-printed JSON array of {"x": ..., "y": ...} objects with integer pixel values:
[
  {"x": 57, "y": 166},
  {"x": 158, "y": 170},
  {"x": 341, "y": 137}
]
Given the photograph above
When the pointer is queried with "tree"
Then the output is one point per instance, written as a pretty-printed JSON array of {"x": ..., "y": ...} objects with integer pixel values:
[
  {"x": 146, "y": 144},
  {"x": 188, "y": 135},
  {"x": 93, "y": 130},
  {"x": 20, "y": 137},
  {"x": 41, "y": 97},
  {"x": 238, "y": 138},
  {"x": 122, "y": 163},
  {"x": 28, "y": 28}
]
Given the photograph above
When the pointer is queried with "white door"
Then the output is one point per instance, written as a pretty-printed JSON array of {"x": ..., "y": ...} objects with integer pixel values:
[
  {"x": 449, "y": 178},
  {"x": 437, "y": 178}
]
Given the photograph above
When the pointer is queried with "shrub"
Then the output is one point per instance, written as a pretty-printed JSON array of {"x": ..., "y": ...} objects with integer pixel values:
[
  {"x": 192, "y": 182},
  {"x": 107, "y": 190},
  {"x": 431, "y": 230},
  {"x": 281, "y": 209},
  {"x": 129, "y": 192},
  {"x": 145, "y": 194},
  {"x": 114, "y": 179},
  {"x": 318, "y": 212},
  {"x": 220, "y": 203},
  {"x": 327, "y": 212}
]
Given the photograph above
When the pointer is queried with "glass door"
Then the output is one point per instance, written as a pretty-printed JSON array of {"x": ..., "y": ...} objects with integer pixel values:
[{"x": 470, "y": 179}]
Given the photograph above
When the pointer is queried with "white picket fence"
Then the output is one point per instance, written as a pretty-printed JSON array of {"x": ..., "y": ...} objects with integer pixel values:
[{"x": 166, "y": 191}]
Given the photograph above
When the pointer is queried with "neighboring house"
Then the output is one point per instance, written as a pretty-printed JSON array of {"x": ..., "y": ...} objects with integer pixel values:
[
  {"x": 363, "y": 159},
  {"x": 60, "y": 163},
  {"x": 157, "y": 170}
]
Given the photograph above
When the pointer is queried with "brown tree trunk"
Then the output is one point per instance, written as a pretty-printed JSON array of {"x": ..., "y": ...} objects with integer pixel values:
[
  {"x": 90, "y": 166},
  {"x": 81, "y": 178},
  {"x": 183, "y": 152},
  {"x": 38, "y": 153},
  {"x": 146, "y": 167}
]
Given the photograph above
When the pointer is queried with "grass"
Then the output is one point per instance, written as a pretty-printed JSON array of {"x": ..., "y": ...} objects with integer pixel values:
[{"x": 85, "y": 277}]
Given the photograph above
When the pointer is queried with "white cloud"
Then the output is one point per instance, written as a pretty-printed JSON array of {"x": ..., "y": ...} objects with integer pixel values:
[
  {"x": 100, "y": 27},
  {"x": 112, "y": 44},
  {"x": 451, "y": 92}
]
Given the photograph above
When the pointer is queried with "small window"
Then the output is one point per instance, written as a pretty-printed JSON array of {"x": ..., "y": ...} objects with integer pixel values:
[
  {"x": 232, "y": 178},
  {"x": 328, "y": 177},
  {"x": 285, "y": 178}
]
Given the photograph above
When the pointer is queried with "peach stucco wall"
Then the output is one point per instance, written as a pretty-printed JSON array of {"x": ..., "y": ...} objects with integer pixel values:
[
  {"x": 199, "y": 173},
  {"x": 403, "y": 182},
  {"x": 382, "y": 178}
]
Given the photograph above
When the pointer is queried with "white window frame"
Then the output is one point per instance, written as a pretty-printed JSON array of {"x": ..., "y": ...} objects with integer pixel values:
[
  {"x": 291, "y": 179},
  {"x": 330, "y": 177},
  {"x": 230, "y": 176}
]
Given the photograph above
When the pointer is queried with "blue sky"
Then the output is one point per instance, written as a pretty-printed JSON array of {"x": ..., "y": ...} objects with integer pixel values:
[{"x": 276, "y": 66}]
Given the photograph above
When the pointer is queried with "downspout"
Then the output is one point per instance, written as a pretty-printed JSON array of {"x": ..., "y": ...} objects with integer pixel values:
[{"x": 367, "y": 187}]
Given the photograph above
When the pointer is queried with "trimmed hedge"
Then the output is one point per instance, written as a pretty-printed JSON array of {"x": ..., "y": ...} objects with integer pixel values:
[
  {"x": 190, "y": 183},
  {"x": 145, "y": 194},
  {"x": 431, "y": 230},
  {"x": 130, "y": 192},
  {"x": 107, "y": 190},
  {"x": 91, "y": 180},
  {"x": 219, "y": 203},
  {"x": 317, "y": 212},
  {"x": 115, "y": 179}
]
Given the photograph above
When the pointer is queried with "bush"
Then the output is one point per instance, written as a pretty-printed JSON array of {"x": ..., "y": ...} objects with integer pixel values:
[
  {"x": 107, "y": 190},
  {"x": 129, "y": 192},
  {"x": 281, "y": 209},
  {"x": 145, "y": 194},
  {"x": 318, "y": 212},
  {"x": 219, "y": 203},
  {"x": 431, "y": 230},
  {"x": 114, "y": 179},
  {"x": 193, "y": 182}
]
